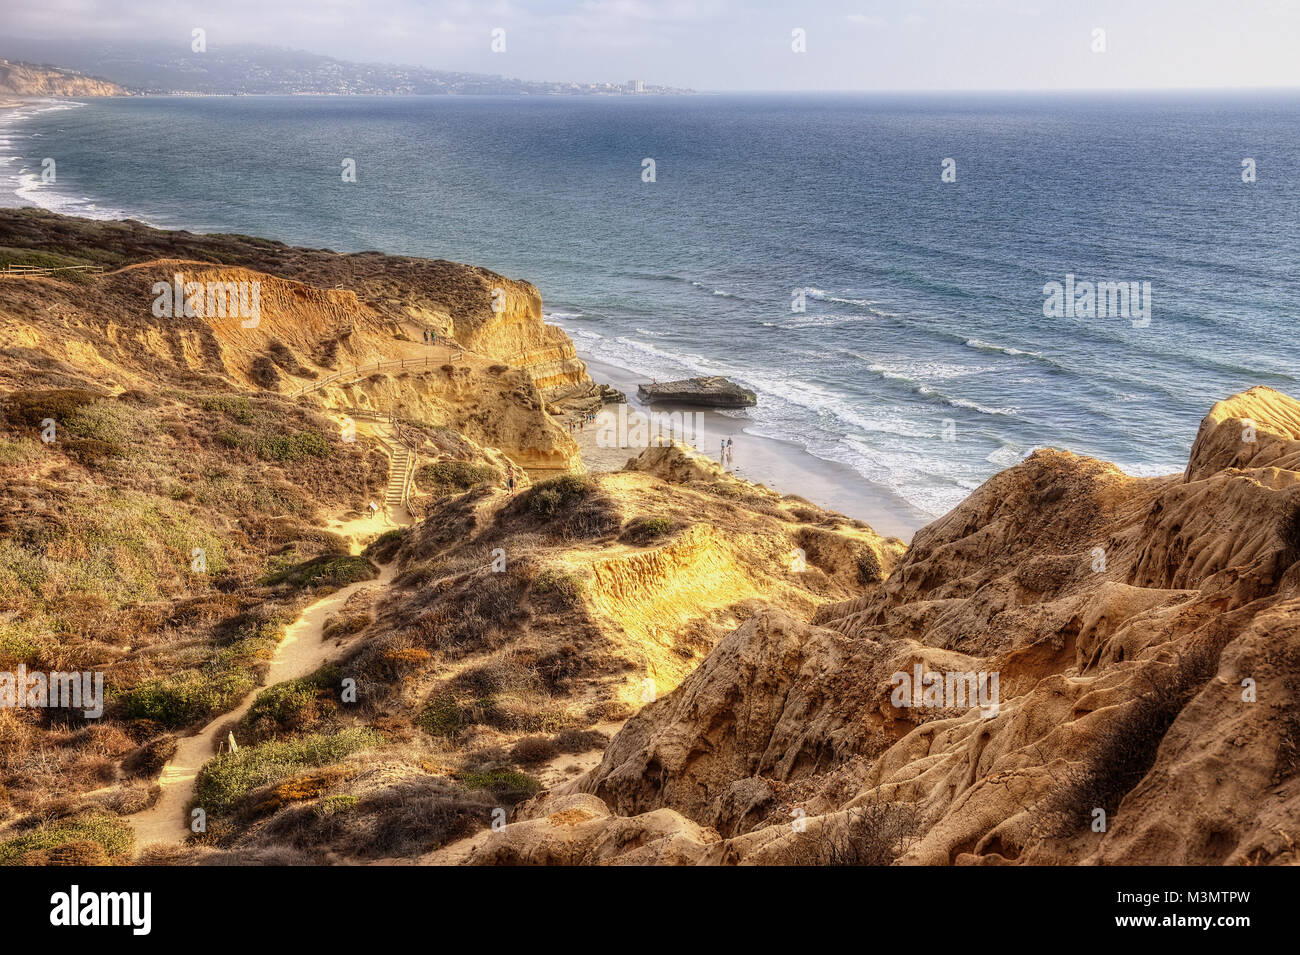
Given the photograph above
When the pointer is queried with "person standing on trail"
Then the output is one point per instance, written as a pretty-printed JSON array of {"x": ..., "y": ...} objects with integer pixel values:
[{"x": 510, "y": 481}]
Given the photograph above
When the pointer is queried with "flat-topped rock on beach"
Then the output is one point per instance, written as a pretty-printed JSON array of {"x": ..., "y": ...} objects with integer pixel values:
[{"x": 713, "y": 392}]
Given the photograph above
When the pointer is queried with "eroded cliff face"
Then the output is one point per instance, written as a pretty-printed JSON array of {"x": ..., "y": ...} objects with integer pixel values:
[
  {"x": 510, "y": 328},
  {"x": 1146, "y": 637},
  {"x": 27, "y": 79},
  {"x": 317, "y": 315}
]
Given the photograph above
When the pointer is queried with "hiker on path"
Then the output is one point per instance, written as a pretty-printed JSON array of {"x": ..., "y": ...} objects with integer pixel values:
[{"x": 510, "y": 481}]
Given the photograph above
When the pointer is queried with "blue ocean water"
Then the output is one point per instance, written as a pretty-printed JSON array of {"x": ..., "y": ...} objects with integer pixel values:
[{"x": 923, "y": 316}]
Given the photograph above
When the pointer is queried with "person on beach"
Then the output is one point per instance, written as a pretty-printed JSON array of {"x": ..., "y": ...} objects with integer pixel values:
[{"x": 722, "y": 455}]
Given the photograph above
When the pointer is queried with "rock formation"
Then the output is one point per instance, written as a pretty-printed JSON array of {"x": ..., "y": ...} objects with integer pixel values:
[
  {"x": 712, "y": 392},
  {"x": 1147, "y": 637}
]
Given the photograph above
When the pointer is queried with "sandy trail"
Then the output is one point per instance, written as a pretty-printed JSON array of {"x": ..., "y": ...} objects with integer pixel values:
[{"x": 300, "y": 652}]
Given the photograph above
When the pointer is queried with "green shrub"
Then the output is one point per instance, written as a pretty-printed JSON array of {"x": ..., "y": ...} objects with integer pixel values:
[
  {"x": 441, "y": 717},
  {"x": 548, "y": 498},
  {"x": 869, "y": 571},
  {"x": 293, "y": 447},
  {"x": 111, "y": 422},
  {"x": 227, "y": 778},
  {"x": 643, "y": 530},
  {"x": 21, "y": 451},
  {"x": 292, "y": 704},
  {"x": 508, "y": 784},
  {"x": 91, "y": 452},
  {"x": 334, "y": 805},
  {"x": 30, "y": 408},
  {"x": 325, "y": 570},
  {"x": 44, "y": 260},
  {"x": 384, "y": 547},
  {"x": 180, "y": 699},
  {"x": 448, "y": 477},
  {"x": 113, "y": 834},
  {"x": 346, "y": 626},
  {"x": 233, "y": 406},
  {"x": 565, "y": 586}
]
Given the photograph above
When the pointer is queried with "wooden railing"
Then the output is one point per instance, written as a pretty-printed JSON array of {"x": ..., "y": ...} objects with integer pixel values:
[
  {"x": 361, "y": 371},
  {"x": 12, "y": 269},
  {"x": 412, "y": 446}
]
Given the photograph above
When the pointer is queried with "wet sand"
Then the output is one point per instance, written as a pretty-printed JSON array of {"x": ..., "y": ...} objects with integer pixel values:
[{"x": 782, "y": 465}]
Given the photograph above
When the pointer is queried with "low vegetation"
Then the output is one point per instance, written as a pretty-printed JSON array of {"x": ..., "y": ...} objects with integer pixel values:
[
  {"x": 324, "y": 570},
  {"x": 292, "y": 706},
  {"x": 510, "y": 785},
  {"x": 454, "y": 477},
  {"x": 229, "y": 777},
  {"x": 91, "y": 838},
  {"x": 647, "y": 530}
]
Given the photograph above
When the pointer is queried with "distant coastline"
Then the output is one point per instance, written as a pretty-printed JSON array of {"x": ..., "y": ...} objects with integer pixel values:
[{"x": 253, "y": 70}]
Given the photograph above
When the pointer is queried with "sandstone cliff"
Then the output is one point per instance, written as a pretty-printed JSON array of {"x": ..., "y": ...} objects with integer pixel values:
[
  {"x": 1147, "y": 637},
  {"x": 319, "y": 314},
  {"x": 27, "y": 79}
]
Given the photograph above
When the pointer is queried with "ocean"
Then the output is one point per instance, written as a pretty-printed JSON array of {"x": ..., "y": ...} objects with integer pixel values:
[{"x": 891, "y": 322}]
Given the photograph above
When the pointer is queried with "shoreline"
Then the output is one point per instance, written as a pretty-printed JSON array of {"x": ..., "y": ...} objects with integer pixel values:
[{"x": 783, "y": 466}]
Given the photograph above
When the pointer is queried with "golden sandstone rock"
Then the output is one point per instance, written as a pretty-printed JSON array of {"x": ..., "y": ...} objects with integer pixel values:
[{"x": 1147, "y": 635}]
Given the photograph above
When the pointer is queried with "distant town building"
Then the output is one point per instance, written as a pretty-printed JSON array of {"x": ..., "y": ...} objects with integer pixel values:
[{"x": 636, "y": 86}]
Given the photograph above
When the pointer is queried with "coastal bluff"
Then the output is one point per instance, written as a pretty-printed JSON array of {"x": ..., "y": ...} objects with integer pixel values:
[
  {"x": 28, "y": 79},
  {"x": 451, "y": 340},
  {"x": 1146, "y": 632}
]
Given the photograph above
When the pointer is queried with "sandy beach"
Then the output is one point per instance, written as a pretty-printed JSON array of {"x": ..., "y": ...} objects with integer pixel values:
[{"x": 781, "y": 465}]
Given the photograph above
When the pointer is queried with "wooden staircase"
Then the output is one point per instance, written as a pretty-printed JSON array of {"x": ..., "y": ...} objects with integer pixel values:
[
  {"x": 401, "y": 468},
  {"x": 401, "y": 458}
]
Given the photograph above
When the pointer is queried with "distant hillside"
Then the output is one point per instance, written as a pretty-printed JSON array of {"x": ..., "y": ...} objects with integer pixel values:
[
  {"x": 256, "y": 69},
  {"x": 28, "y": 79}
]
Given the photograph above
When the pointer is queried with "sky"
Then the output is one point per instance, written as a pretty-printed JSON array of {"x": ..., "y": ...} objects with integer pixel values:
[{"x": 735, "y": 45}]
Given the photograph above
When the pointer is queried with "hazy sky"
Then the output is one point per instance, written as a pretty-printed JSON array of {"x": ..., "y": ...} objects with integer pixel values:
[{"x": 731, "y": 45}]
